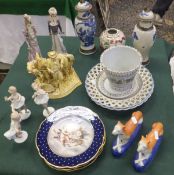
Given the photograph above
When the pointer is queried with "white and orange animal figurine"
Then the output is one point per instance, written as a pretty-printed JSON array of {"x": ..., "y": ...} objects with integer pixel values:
[
  {"x": 148, "y": 147},
  {"x": 126, "y": 133}
]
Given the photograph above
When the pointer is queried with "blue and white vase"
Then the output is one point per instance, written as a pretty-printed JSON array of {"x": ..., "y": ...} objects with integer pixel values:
[
  {"x": 85, "y": 25},
  {"x": 144, "y": 35}
]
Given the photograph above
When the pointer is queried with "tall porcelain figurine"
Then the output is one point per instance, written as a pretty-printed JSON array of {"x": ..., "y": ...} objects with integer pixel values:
[
  {"x": 53, "y": 26},
  {"x": 15, "y": 133},
  {"x": 126, "y": 134},
  {"x": 41, "y": 98},
  {"x": 18, "y": 103},
  {"x": 144, "y": 34},
  {"x": 31, "y": 39},
  {"x": 85, "y": 26},
  {"x": 148, "y": 147}
]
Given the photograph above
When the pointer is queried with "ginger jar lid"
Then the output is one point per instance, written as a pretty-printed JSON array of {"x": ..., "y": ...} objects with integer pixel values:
[
  {"x": 83, "y": 6},
  {"x": 146, "y": 19}
]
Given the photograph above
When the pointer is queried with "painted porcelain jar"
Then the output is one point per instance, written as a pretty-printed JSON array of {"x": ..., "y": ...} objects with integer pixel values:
[
  {"x": 111, "y": 37},
  {"x": 85, "y": 25},
  {"x": 144, "y": 35}
]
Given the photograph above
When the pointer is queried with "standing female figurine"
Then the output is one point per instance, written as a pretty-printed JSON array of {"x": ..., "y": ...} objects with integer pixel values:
[
  {"x": 53, "y": 26},
  {"x": 31, "y": 39}
]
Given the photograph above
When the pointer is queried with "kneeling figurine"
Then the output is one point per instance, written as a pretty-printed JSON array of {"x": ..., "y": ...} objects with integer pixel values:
[
  {"x": 126, "y": 134},
  {"x": 148, "y": 147}
]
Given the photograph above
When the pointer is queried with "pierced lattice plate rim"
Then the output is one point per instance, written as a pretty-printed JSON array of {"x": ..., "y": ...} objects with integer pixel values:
[{"x": 134, "y": 101}]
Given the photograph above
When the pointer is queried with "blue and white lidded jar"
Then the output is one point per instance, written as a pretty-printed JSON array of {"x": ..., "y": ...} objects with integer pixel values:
[
  {"x": 144, "y": 35},
  {"x": 85, "y": 25}
]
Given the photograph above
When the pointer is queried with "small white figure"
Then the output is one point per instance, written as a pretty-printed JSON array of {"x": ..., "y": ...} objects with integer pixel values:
[
  {"x": 15, "y": 133},
  {"x": 172, "y": 69},
  {"x": 41, "y": 98},
  {"x": 18, "y": 103},
  {"x": 31, "y": 38},
  {"x": 53, "y": 26}
]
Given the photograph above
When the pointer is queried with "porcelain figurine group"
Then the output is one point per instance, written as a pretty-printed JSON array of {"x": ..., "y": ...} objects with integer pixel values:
[
  {"x": 55, "y": 74},
  {"x": 147, "y": 146},
  {"x": 20, "y": 112},
  {"x": 53, "y": 27}
]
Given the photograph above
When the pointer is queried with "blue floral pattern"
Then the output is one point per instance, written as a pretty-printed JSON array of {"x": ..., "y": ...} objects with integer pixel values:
[
  {"x": 134, "y": 36},
  {"x": 86, "y": 30}
]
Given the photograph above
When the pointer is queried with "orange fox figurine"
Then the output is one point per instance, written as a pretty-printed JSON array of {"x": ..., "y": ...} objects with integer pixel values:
[
  {"x": 129, "y": 127},
  {"x": 126, "y": 133},
  {"x": 152, "y": 137},
  {"x": 148, "y": 147}
]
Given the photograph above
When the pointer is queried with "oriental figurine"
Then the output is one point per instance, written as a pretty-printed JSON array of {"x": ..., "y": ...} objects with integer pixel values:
[
  {"x": 148, "y": 147},
  {"x": 126, "y": 134},
  {"x": 41, "y": 98},
  {"x": 15, "y": 133},
  {"x": 54, "y": 26},
  {"x": 31, "y": 39},
  {"x": 18, "y": 103},
  {"x": 55, "y": 74}
]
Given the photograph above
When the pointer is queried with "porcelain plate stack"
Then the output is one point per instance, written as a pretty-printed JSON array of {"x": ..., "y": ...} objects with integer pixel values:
[{"x": 71, "y": 138}]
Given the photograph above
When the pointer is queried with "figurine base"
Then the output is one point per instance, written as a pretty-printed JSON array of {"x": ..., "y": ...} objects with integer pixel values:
[
  {"x": 87, "y": 52},
  {"x": 23, "y": 137},
  {"x": 65, "y": 87},
  {"x": 25, "y": 115},
  {"x": 45, "y": 112},
  {"x": 10, "y": 134}
]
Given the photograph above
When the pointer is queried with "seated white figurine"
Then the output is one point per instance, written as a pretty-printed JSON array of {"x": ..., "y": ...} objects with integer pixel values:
[
  {"x": 41, "y": 98},
  {"x": 172, "y": 69},
  {"x": 15, "y": 133},
  {"x": 18, "y": 102}
]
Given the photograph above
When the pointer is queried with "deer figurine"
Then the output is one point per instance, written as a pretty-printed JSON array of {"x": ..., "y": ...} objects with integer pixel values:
[
  {"x": 125, "y": 134},
  {"x": 147, "y": 147}
]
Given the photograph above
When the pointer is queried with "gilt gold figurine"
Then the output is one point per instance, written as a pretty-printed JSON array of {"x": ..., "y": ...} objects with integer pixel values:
[{"x": 55, "y": 74}]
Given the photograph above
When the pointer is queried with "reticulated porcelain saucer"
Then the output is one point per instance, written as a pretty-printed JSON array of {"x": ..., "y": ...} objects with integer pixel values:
[
  {"x": 70, "y": 138},
  {"x": 104, "y": 88},
  {"x": 100, "y": 95}
]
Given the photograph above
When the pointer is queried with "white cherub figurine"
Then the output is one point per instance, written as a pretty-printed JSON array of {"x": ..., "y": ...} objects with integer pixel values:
[
  {"x": 18, "y": 103},
  {"x": 41, "y": 98},
  {"x": 15, "y": 133},
  {"x": 172, "y": 69}
]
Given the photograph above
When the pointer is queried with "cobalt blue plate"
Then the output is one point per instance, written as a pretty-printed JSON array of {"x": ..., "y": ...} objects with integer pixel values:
[{"x": 59, "y": 161}]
